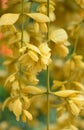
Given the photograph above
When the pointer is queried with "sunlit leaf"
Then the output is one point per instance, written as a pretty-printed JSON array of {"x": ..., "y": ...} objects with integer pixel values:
[
  {"x": 33, "y": 55},
  {"x": 39, "y": 17},
  {"x": 28, "y": 114},
  {"x": 17, "y": 108},
  {"x": 9, "y": 19},
  {"x": 65, "y": 93},
  {"x": 59, "y": 36},
  {"x": 32, "y": 90}
]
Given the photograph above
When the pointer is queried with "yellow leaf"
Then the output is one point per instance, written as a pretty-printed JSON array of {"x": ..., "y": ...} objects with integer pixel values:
[
  {"x": 34, "y": 48},
  {"x": 78, "y": 85},
  {"x": 17, "y": 108},
  {"x": 36, "y": 27},
  {"x": 44, "y": 49},
  {"x": 59, "y": 36},
  {"x": 23, "y": 49},
  {"x": 15, "y": 85},
  {"x": 33, "y": 55},
  {"x": 73, "y": 127},
  {"x": 79, "y": 100},
  {"x": 23, "y": 118},
  {"x": 39, "y": 17},
  {"x": 61, "y": 50},
  {"x": 58, "y": 83},
  {"x": 42, "y": 1},
  {"x": 11, "y": 78},
  {"x": 5, "y": 103},
  {"x": 26, "y": 37},
  {"x": 9, "y": 19},
  {"x": 43, "y": 27},
  {"x": 46, "y": 59},
  {"x": 32, "y": 90},
  {"x": 66, "y": 93},
  {"x": 52, "y": 16},
  {"x": 26, "y": 102},
  {"x": 81, "y": 3},
  {"x": 28, "y": 114},
  {"x": 74, "y": 108}
]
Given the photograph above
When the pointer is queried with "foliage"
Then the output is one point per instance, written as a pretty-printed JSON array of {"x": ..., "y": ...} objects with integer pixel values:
[{"x": 41, "y": 42}]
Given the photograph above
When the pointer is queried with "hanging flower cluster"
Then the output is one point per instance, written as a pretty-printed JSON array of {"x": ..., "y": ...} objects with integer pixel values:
[{"x": 35, "y": 43}]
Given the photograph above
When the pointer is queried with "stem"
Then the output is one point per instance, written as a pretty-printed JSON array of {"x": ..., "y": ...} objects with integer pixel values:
[
  {"x": 22, "y": 27},
  {"x": 78, "y": 35},
  {"x": 76, "y": 41},
  {"x": 48, "y": 82},
  {"x": 48, "y": 89}
]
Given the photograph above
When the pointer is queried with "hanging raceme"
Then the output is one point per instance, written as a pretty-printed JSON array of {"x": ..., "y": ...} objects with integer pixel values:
[{"x": 37, "y": 44}]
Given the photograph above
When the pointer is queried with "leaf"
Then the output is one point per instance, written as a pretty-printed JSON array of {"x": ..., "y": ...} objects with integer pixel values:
[
  {"x": 26, "y": 37},
  {"x": 28, "y": 114},
  {"x": 78, "y": 85},
  {"x": 74, "y": 108},
  {"x": 61, "y": 50},
  {"x": 58, "y": 83},
  {"x": 11, "y": 78},
  {"x": 39, "y": 17},
  {"x": 73, "y": 127},
  {"x": 43, "y": 27},
  {"x": 34, "y": 48},
  {"x": 17, "y": 108},
  {"x": 66, "y": 93},
  {"x": 42, "y": 1},
  {"x": 32, "y": 90},
  {"x": 26, "y": 102},
  {"x": 9, "y": 19},
  {"x": 59, "y": 36},
  {"x": 33, "y": 55},
  {"x": 23, "y": 117},
  {"x": 5, "y": 103},
  {"x": 36, "y": 27},
  {"x": 79, "y": 100},
  {"x": 44, "y": 49}
]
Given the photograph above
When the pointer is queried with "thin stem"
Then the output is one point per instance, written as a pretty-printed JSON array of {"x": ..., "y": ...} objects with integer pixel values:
[
  {"x": 22, "y": 27},
  {"x": 76, "y": 41},
  {"x": 48, "y": 24},
  {"x": 48, "y": 90},
  {"x": 78, "y": 34},
  {"x": 48, "y": 81}
]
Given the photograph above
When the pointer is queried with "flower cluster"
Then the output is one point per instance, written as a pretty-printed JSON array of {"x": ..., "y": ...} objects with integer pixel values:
[{"x": 35, "y": 43}]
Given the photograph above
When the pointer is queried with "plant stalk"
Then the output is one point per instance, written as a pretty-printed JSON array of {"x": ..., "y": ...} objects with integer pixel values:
[
  {"x": 48, "y": 80},
  {"x": 22, "y": 26}
]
